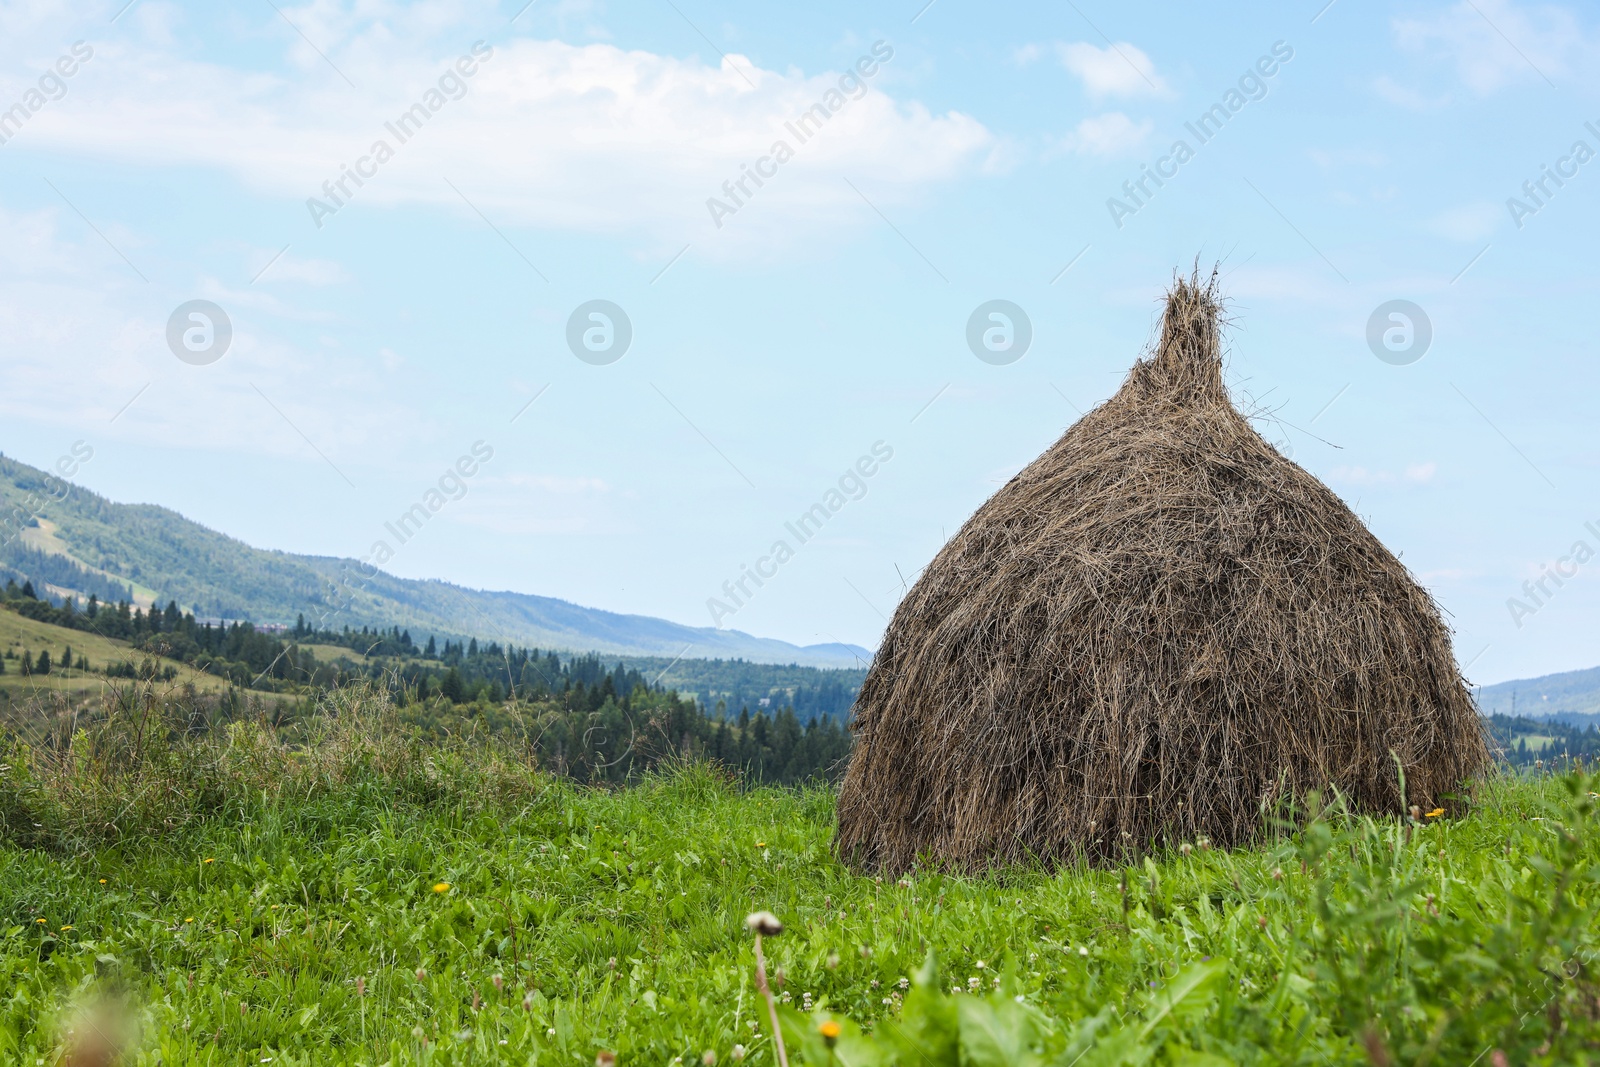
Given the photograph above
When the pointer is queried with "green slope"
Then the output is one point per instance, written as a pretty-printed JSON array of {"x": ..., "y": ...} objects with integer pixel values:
[
  {"x": 19, "y": 635},
  {"x": 1571, "y": 696},
  {"x": 89, "y": 544}
]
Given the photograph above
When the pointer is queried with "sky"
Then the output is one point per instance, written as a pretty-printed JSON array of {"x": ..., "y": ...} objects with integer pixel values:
[{"x": 1401, "y": 198}]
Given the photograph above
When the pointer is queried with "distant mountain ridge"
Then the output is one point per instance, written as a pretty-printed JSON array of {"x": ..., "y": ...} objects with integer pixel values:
[
  {"x": 1570, "y": 696},
  {"x": 97, "y": 544}
]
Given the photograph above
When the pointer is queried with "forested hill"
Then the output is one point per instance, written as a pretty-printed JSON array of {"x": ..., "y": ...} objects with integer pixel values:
[
  {"x": 71, "y": 542},
  {"x": 1571, "y": 697}
]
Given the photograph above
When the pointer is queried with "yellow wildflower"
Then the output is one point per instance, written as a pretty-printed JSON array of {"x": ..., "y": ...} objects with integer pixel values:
[
  {"x": 442, "y": 887},
  {"x": 1435, "y": 813}
]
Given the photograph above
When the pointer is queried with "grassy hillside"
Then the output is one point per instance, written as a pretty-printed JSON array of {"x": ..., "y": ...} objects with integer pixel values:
[
  {"x": 19, "y": 635},
  {"x": 1571, "y": 696},
  {"x": 583, "y": 716},
  {"x": 74, "y": 541},
  {"x": 369, "y": 900}
]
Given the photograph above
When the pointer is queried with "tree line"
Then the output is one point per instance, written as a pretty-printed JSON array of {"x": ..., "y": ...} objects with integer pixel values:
[
  {"x": 1554, "y": 742},
  {"x": 575, "y": 714}
]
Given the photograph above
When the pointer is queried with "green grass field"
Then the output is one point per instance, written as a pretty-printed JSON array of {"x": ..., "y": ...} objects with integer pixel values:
[
  {"x": 367, "y": 899},
  {"x": 19, "y": 634}
]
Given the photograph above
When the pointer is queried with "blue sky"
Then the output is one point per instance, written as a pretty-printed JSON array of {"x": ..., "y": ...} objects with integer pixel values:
[{"x": 775, "y": 345}]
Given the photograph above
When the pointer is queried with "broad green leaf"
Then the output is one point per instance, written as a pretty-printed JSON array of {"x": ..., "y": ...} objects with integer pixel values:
[
  {"x": 1188, "y": 994},
  {"x": 996, "y": 1033}
]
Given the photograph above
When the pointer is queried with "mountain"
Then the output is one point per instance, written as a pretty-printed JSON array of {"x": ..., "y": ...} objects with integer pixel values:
[
  {"x": 70, "y": 541},
  {"x": 1571, "y": 697}
]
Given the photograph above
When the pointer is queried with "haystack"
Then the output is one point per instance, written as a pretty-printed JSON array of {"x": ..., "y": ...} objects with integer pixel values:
[{"x": 1158, "y": 631}]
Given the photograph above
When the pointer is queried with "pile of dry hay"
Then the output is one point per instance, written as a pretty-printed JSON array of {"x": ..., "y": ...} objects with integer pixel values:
[{"x": 1158, "y": 631}]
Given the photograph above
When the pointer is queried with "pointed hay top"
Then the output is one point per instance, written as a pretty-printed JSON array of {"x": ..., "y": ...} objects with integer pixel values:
[{"x": 1188, "y": 358}]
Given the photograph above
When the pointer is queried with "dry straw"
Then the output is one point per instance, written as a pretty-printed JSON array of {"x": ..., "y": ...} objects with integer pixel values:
[{"x": 1157, "y": 631}]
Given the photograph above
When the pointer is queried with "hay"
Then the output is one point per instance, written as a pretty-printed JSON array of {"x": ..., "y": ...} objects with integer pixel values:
[{"x": 1157, "y": 631}]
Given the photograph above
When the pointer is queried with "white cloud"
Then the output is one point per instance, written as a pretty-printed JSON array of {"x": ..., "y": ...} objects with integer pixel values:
[
  {"x": 1448, "y": 574},
  {"x": 1418, "y": 473},
  {"x": 1494, "y": 43},
  {"x": 1110, "y": 134},
  {"x": 30, "y": 246},
  {"x": 520, "y": 503},
  {"x": 1414, "y": 474},
  {"x": 550, "y": 483},
  {"x": 288, "y": 268},
  {"x": 1468, "y": 222},
  {"x": 86, "y": 351},
  {"x": 592, "y": 138},
  {"x": 1117, "y": 70},
  {"x": 1402, "y": 96}
]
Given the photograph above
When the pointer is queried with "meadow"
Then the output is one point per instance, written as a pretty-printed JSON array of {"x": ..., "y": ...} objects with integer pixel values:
[
  {"x": 20, "y": 634},
  {"x": 359, "y": 895}
]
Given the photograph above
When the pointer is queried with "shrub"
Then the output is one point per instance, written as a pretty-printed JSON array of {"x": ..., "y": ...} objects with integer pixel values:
[{"x": 150, "y": 766}]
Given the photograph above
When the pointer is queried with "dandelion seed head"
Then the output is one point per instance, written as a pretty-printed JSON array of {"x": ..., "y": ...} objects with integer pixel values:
[{"x": 764, "y": 922}]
